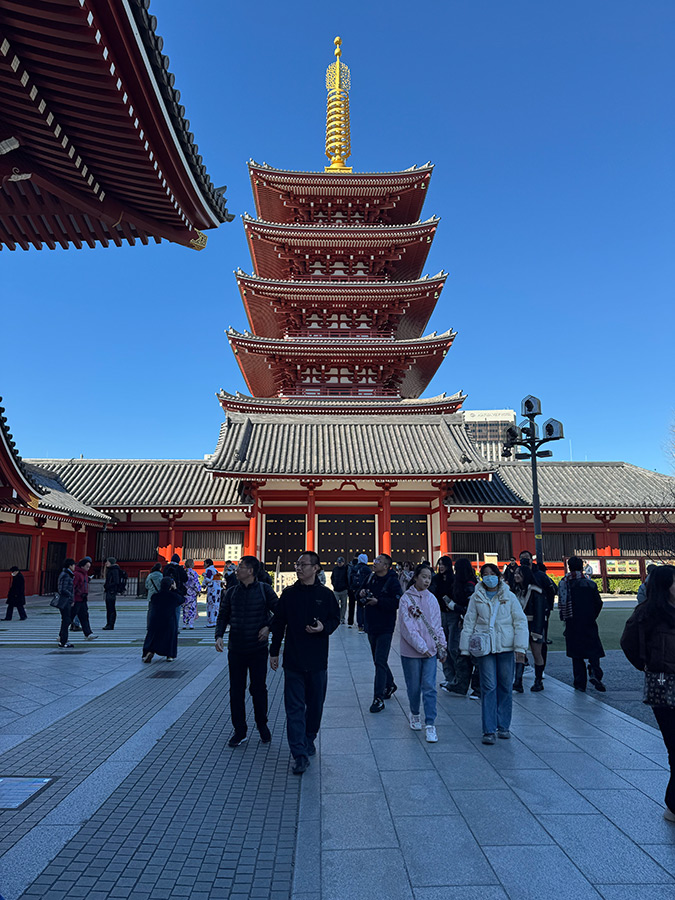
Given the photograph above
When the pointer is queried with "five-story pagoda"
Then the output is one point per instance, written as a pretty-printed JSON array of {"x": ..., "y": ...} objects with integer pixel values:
[{"x": 336, "y": 360}]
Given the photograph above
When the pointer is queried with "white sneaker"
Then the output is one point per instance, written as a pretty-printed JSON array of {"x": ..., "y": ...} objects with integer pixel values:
[
  {"x": 668, "y": 815},
  {"x": 432, "y": 737},
  {"x": 415, "y": 723}
]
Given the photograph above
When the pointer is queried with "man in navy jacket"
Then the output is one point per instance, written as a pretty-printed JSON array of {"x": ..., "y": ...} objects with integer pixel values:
[{"x": 380, "y": 595}]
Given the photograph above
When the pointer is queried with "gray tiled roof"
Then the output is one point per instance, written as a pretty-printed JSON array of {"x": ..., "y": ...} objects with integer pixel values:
[
  {"x": 7, "y": 438},
  {"x": 57, "y": 499},
  {"x": 112, "y": 484},
  {"x": 371, "y": 446},
  {"x": 571, "y": 485}
]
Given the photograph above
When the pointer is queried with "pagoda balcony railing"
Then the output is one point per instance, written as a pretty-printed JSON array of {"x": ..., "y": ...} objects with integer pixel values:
[
  {"x": 329, "y": 392},
  {"x": 359, "y": 334}
]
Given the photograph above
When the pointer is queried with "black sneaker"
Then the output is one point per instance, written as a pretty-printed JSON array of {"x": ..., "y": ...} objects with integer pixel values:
[
  {"x": 389, "y": 693},
  {"x": 75, "y": 628},
  {"x": 301, "y": 765},
  {"x": 377, "y": 705},
  {"x": 311, "y": 748},
  {"x": 108, "y": 628},
  {"x": 265, "y": 734},
  {"x": 64, "y": 646},
  {"x": 237, "y": 739},
  {"x": 598, "y": 685}
]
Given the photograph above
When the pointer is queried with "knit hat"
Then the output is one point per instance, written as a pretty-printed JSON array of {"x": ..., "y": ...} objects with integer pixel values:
[{"x": 363, "y": 558}]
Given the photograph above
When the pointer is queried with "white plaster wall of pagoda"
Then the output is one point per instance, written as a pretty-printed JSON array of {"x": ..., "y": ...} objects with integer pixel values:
[
  {"x": 496, "y": 517},
  {"x": 7, "y": 517},
  {"x": 147, "y": 517},
  {"x": 51, "y": 523},
  {"x": 66, "y": 526},
  {"x": 230, "y": 516},
  {"x": 27, "y": 520}
]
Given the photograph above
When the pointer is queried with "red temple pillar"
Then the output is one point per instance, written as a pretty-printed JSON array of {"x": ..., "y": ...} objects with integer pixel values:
[
  {"x": 36, "y": 562},
  {"x": 310, "y": 533},
  {"x": 170, "y": 547},
  {"x": 253, "y": 527},
  {"x": 444, "y": 488},
  {"x": 385, "y": 515}
]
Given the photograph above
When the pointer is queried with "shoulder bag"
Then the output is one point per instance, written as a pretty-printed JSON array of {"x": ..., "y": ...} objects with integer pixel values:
[
  {"x": 480, "y": 642},
  {"x": 441, "y": 652}
]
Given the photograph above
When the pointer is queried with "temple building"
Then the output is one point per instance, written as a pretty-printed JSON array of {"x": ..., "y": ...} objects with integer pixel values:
[{"x": 334, "y": 448}]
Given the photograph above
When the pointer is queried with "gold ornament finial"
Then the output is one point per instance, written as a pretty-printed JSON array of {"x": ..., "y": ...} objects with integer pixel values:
[{"x": 338, "y": 84}]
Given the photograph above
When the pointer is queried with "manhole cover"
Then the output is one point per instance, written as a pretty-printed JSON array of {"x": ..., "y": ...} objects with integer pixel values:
[
  {"x": 14, "y": 792},
  {"x": 168, "y": 673}
]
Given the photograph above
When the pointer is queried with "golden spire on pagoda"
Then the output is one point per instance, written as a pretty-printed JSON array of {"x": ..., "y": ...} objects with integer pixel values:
[{"x": 338, "y": 83}]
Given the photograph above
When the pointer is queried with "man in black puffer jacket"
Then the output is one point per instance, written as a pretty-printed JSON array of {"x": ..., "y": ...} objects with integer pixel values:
[
  {"x": 248, "y": 608},
  {"x": 307, "y": 614},
  {"x": 380, "y": 595}
]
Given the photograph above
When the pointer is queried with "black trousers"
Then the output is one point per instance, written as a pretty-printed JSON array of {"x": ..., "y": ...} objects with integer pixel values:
[
  {"x": 110, "y": 610},
  {"x": 665, "y": 717},
  {"x": 579, "y": 670},
  {"x": 19, "y": 607},
  {"x": 65, "y": 624},
  {"x": 254, "y": 666},
  {"x": 81, "y": 610},
  {"x": 304, "y": 695},
  {"x": 350, "y": 608},
  {"x": 380, "y": 644}
]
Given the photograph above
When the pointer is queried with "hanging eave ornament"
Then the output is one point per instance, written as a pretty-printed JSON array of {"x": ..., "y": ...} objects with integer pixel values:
[{"x": 338, "y": 83}]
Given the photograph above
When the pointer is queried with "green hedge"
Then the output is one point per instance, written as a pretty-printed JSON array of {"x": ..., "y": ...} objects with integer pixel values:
[{"x": 624, "y": 585}]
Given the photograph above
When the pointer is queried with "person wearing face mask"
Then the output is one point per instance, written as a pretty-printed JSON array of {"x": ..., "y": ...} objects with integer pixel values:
[
  {"x": 422, "y": 644},
  {"x": 496, "y": 619}
]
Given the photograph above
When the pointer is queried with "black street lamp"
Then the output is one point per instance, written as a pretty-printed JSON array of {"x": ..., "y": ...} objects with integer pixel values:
[{"x": 527, "y": 435}]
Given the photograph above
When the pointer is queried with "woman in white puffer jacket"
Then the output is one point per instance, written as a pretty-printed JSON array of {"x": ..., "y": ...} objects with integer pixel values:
[{"x": 493, "y": 602}]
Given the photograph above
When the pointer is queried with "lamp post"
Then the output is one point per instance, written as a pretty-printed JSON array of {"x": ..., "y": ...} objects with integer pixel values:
[{"x": 527, "y": 435}]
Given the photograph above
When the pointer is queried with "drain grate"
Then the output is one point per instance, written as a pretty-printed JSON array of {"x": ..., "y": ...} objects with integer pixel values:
[
  {"x": 168, "y": 673},
  {"x": 15, "y": 792}
]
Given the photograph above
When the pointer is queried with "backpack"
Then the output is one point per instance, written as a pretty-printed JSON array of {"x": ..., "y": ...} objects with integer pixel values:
[{"x": 122, "y": 586}]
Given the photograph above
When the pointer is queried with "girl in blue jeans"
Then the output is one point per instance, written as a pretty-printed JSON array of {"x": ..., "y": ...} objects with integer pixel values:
[
  {"x": 422, "y": 645},
  {"x": 496, "y": 615}
]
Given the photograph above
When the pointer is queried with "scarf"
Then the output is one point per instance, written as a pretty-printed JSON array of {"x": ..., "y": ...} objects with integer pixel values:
[{"x": 565, "y": 594}]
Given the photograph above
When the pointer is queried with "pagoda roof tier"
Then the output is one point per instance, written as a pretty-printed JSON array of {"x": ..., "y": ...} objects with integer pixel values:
[
  {"x": 341, "y": 406},
  {"x": 339, "y": 252},
  {"x": 407, "y": 304},
  {"x": 286, "y": 196},
  {"x": 376, "y": 446},
  {"x": 95, "y": 146},
  {"x": 405, "y": 368}
]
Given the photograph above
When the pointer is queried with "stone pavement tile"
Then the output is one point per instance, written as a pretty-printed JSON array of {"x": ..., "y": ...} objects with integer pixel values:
[
  {"x": 568, "y": 724},
  {"x": 636, "y": 891},
  {"x": 355, "y": 821},
  {"x": 541, "y": 737},
  {"x": 664, "y": 854},
  {"x": 509, "y": 755},
  {"x": 602, "y": 852},
  {"x": 342, "y": 717},
  {"x": 652, "y": 782},
  {"x": 526, "y": 872},
  {"x": 615, "y": 755},
  {"x": 513, "y": 824},
  {"x": 634, "y": 813},
  {"x": 417, "y": 793},
  {"x": 467, "y": 771},
  {"x": 424, "y": 840},
  {"x": 344, "y": 740},
  {"x": 398, "y": 754},
  {"x": 333, "y": 700},
  {"x": 581, "y": 771},
  {"x": 351, "y": 773},
  {"x": 465, "y": 892},
  {"x": 359, "y": 874},
  {"x": 385, "y": 725},
  {"x": 544, "y": 791}
]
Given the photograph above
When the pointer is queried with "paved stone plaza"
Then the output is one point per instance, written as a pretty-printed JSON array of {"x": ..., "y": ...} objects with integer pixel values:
[{"x": 147, "y": 801}]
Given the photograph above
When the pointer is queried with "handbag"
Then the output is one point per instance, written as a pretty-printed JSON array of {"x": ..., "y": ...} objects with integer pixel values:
[
  {"x": 659, "y": 689},
  {"x": 440, "y": 649},
  {"x": 480, "y": 642},
  {"x": 59, "y": 602}
]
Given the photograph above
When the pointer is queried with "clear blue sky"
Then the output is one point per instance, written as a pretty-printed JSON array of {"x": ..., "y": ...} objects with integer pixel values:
[{"x": 551, "y": 126}]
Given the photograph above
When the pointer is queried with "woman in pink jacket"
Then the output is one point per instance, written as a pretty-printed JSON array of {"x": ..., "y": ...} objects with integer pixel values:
[{"x": 422, "y": 645}]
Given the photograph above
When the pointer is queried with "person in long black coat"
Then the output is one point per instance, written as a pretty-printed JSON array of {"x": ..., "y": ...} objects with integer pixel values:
[
  {"x": 162, "y": 635},
  {"x": 579, "y": 606},
  {"x": 16, "y": 596}
]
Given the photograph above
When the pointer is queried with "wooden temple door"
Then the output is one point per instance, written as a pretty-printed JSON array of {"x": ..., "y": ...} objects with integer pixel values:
[
  {"x": 284, "y": 539},
  {"x": 345, "y": 536},
  {"x": 409, "y": 539},
  {"x": 56, "y": 555}
]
